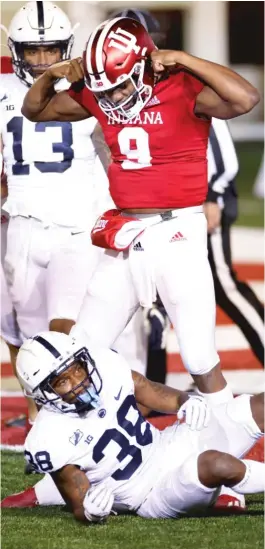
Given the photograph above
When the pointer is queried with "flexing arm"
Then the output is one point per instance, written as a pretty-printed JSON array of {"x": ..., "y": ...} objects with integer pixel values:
[
  {"x": 225, "y": 95},
  {"x": 157, "y": 396},
  {"x": 42, "y": 103}
]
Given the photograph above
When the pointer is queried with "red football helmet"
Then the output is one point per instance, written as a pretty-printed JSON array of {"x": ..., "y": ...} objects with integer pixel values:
[{"x": 117, "y": 52}]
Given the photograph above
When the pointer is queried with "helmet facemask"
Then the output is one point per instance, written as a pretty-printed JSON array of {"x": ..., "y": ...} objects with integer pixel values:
[
  {"x": 132, "y": 105},
  {"x": 83, "y": 401},
  {"x": 23, "y": 69}
]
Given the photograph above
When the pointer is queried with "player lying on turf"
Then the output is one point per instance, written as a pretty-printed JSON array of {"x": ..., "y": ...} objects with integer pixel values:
[{"x": 101, "y": 453}]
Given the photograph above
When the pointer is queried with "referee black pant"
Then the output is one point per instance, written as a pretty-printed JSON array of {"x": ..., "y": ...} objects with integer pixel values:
[{"x": 234, "y": 296}]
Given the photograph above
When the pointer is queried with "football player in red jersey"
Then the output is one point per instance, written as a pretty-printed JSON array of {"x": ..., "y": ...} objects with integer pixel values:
[{"x": 155, "y": 109}]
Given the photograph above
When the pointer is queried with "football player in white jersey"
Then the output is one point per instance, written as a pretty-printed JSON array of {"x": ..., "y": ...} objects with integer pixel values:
[
  {"x": 52, "y": 184},
  {"x": 103, "y": 455},
  {"x": 9, "y": 326}
]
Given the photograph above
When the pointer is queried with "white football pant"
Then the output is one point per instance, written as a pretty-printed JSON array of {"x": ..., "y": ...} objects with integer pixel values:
[
  {"x": 47, "y": 271},
  {"x": 170, "y": 256}
]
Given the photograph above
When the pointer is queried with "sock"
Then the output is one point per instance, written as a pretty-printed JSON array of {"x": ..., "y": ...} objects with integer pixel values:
[
  {"x": 220, "y": 397},
  {"x": 157, "y": 365},
  {"x": 254, "y": 478},
  {"x": 47, "y": 493},
  {"x": 226, "y": 491}
]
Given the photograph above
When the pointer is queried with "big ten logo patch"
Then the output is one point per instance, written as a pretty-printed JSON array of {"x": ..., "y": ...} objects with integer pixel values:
[
  {"x": 89, "y": 439},
  {"x": 76, "y": 437},
  {"x": 124, "y": 41}
]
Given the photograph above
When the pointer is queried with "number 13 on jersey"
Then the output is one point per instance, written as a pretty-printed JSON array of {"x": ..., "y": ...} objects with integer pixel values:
[{"x": 60, "y": 152}]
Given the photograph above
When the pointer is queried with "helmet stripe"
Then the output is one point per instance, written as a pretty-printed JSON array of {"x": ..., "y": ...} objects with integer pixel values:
[
  {"x": 99, "y": 60},
  {"x": 93, "y": 55},
  {"x": 99, "y": 48},
  {"x": 40, "y": 11},
  {"x": 47, "y": 346},
  {"x": 89, "y": 49}
]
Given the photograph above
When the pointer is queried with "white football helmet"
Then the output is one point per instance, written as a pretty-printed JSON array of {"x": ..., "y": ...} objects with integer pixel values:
[
  {"x": 47, "y": 355},
  {"x": 38, "y": 24}
]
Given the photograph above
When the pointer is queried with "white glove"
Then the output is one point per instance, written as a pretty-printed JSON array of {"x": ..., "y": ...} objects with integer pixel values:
[
  {"x": 98, "y": 503},
  {"x": 196, "y": 411}
]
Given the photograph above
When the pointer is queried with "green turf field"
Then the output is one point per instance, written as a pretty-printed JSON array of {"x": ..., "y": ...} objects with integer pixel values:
[
  {"x": 53, "y": 528},
  {"x": 251, "y": 209}
]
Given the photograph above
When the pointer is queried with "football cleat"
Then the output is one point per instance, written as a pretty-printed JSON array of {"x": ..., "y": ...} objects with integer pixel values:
[
  {"x": 30, "y": 469},
  {"x": 27, "y": 498},
  {"x": 231, "y": 503}
]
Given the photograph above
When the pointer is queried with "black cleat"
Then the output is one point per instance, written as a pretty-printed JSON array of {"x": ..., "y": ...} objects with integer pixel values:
[{"x": 30, "y": 469}]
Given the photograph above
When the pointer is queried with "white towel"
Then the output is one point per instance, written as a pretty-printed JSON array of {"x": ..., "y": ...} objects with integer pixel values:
[{"x": 125, "y": 236}]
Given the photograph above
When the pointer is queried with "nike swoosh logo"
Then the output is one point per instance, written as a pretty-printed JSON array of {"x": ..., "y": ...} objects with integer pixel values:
[
  {"x": 119, "y": 394},
  {"x": 78, "y": 232}
]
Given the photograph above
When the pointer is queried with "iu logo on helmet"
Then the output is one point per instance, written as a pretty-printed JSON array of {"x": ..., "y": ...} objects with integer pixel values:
[{"x": 124, "y": 41}]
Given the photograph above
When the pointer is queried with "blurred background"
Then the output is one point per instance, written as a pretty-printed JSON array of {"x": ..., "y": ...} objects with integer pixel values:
[{"x": 232, "y": 34}]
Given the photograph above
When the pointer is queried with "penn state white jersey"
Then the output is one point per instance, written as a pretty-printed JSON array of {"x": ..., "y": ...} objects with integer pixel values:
[
  {"x": 222, "y": 157},
  {"x": 112, "y": 444},
  {"x": 49, "y": 165}
]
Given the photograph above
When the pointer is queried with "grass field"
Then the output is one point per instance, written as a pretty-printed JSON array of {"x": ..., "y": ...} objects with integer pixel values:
[{"x": 53, "y": 528}]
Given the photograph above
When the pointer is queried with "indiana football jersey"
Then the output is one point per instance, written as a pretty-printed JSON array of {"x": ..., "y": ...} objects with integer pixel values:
[
  {"x": 49, "y": 165},
  {"x": 159, "y": 156},
  {"x": 112, "y": 444}
]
